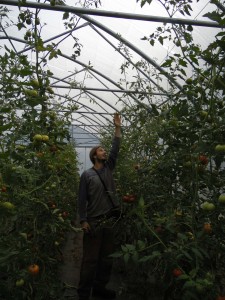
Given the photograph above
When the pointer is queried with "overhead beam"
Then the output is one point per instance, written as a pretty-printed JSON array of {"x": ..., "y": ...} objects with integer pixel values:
[
  {"x": 128, "y": 59},
  {"x": 106, "y": 90},
  {"x": 111, "y": 14},
  {"x": 134, "y": 48}
]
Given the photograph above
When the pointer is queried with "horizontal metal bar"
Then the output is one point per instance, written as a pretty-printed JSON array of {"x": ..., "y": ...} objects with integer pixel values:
[
  {"x": 85, "y": 146},
  {"x": 89, "y": 146},
  {"x": 84, "y": 138},
  {"x": 87, "y": 125},
  {"x": 106, "y": 90},
  {"x": 112, "y": 14},
  {"x": 81, "y": 133}
]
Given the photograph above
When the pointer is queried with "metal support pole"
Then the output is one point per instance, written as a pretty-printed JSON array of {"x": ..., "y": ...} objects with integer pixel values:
[
  {"x": 106, "y": 90},
  {"x": 111, "y": 14}
]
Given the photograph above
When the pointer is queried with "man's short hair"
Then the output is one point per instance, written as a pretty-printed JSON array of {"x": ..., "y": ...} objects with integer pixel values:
[{"x": 93, "y": 152}]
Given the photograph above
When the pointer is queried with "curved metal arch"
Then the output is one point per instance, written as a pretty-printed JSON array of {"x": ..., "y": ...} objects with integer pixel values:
[
  {"x": 131, "y": 46},
  {"x": 88, "y": 67},
  {"x": 106, "y": 29},
  {"x": 85, "y": 68},
  {"x": 87, "y": 89},
  {"x": 87, "y": 107},
  {"x": 128, "y": 59},
  {"x": 85, "y": 92},
  {"x": 102, "y": 75},
  {"x": 105, "y": 77},
  {"x": 115, "y": 35},
  {"x": 98, "y": 79}
]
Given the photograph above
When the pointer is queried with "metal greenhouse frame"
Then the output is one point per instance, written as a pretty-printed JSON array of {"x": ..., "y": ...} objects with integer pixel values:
[{"x": 88, "y": 118}]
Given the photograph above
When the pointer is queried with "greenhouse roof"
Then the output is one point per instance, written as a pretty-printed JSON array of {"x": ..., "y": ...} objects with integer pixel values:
[{"x": 101, "y": 55}]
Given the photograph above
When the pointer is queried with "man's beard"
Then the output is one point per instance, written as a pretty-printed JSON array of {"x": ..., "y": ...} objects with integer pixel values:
[{"x": 101, "y": 160}]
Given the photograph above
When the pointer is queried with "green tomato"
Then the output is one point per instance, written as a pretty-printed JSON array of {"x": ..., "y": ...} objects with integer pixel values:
[
  {"x": 222, "y": 199},
  {"x": 31, "y": 93},
  {"x": 20, "y": 147},
  {"x": 45, "y": 138},
  {"x": 37, "y": 21},
  {"x": 50, "y": 90},
  {"x": 8, "y": 205},
  {"x": 28, "y": 33},
  {"x": 35, "y": 83},
  {"x": 189, "y": 81},
  {"x": 208, "y": 206},
  {"x": 220, "y": 148},
  {"x": 28, "y": 21},
  {"x": 20, "y": 282},
  {"x": 37, "y": 137},
  {"x": 203, "y": 114}
]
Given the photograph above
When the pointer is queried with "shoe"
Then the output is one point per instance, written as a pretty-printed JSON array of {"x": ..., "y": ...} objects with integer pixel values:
[{"x": 104, "y": 293}]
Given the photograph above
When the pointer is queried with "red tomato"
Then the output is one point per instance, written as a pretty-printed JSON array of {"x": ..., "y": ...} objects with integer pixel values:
[
  {"x": 129, "y": 198},
  {"x": 207, "y": 228},
  {"x": 203, "y": 159},
  {"x": 65, "y": 214},
  {"x": 132, "y": 198},
  {"x": 125, "y": 198},
  {"x": 4, "y": 189},
  {"x": 177, "y": 272},
  {"x": 33, "y": 269}
]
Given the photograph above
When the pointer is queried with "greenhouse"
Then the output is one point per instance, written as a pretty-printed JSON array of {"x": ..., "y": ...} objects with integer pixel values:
[{"x": 72, "y": 73}]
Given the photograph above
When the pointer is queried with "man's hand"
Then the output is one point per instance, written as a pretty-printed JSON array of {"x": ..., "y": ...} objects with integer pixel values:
[
  {"x": 117, "y": 120},
  {"x": 85, "y": 226}
]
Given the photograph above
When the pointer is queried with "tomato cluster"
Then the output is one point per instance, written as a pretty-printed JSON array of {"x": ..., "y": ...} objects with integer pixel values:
[{"x": 129, "y": 198}]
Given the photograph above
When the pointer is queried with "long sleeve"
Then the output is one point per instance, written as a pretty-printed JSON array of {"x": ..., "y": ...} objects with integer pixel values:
[
  {"x": 82, "y": 198},
  {"x": 111, "y": 162}
]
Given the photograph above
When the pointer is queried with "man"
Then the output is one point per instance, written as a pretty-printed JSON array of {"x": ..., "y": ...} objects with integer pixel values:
[{"x": 96, "y": 200}]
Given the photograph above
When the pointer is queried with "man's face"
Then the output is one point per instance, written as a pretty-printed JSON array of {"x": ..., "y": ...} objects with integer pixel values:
[{"x": 101, "y": 154}]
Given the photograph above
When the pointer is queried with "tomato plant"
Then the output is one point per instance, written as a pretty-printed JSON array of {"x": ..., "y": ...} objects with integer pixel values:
[
  {"x": 172, "y": 157},
  {"x": 38, "y": 173}
]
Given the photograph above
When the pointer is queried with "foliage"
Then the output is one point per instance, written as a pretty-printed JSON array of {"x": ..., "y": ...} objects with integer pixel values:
[
  {"x": 171, "y": 159},
  {"x": 38, "y": 170}
]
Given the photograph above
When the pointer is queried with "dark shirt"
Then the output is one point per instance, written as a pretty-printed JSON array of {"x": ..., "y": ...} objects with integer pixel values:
[{"x": 92, "y": 198}]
